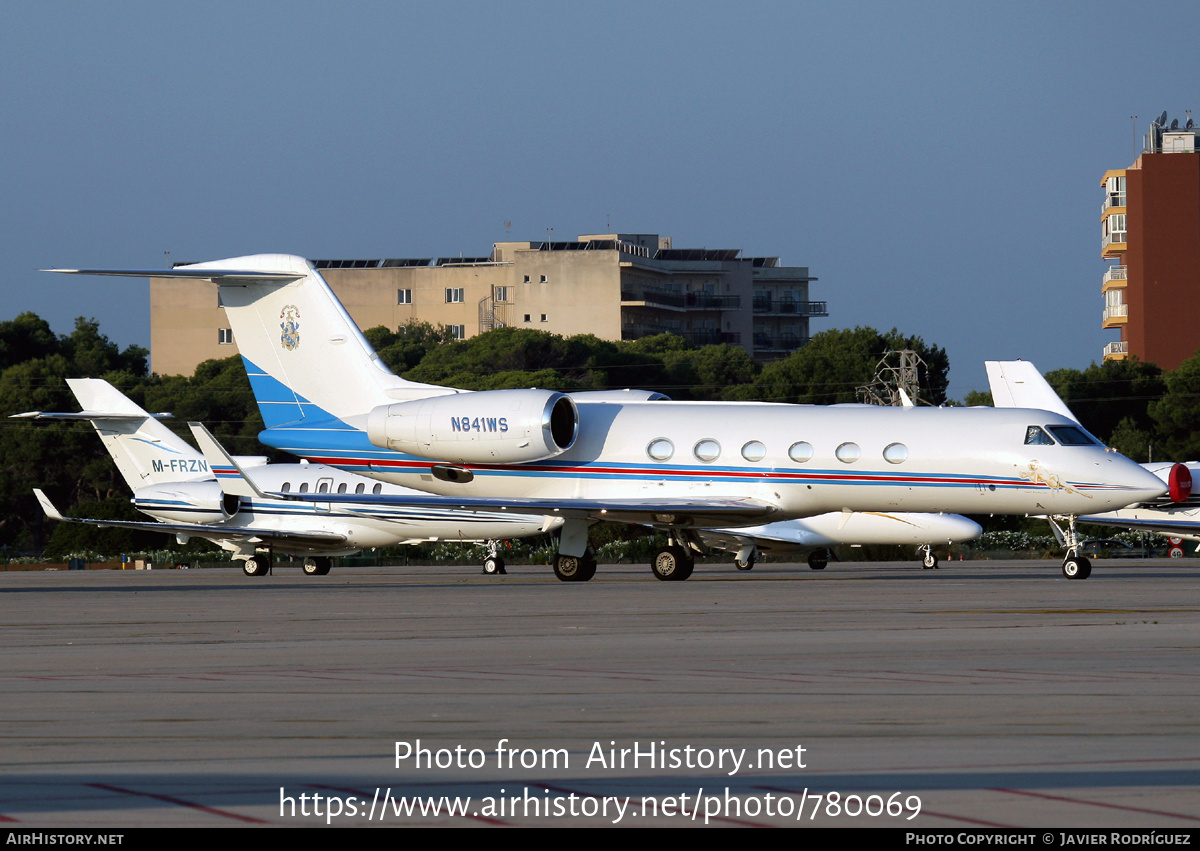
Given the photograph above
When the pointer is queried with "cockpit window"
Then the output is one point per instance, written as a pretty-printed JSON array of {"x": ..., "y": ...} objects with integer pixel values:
[
  {"x": 1072, "y": 436},
  {"x": 1034, "y": 436}
]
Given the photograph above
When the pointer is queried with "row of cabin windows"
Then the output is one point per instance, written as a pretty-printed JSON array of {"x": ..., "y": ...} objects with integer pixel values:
[
  {"x": 708, "y": 449},
  {"x": 323, "y": 487}
]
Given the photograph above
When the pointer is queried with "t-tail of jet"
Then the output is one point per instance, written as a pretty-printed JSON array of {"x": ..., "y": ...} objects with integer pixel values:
[
  {"x": 307, "y": 360},
  {"x": 145, "y": 451}
]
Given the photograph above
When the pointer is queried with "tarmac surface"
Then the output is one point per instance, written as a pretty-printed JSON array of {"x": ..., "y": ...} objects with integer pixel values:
[{"x": 986, "y": 693}]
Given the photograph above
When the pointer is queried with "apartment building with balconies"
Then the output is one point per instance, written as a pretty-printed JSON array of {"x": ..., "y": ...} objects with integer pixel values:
[
  {"x": 616, "y": 286},
  {"x": 1150, "y": 234}
]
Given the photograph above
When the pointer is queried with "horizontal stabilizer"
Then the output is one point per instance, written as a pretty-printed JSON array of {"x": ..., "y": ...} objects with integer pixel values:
[
  {"x": 210, "y": 531},
  {"x": 220, "y": 276}
]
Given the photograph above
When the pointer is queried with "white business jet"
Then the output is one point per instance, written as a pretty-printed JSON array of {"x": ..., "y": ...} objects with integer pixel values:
[
  {"x": 678, "y": 466},
  {"x": 1174, "y": 513},
  {"x": 218, "y": 498}
]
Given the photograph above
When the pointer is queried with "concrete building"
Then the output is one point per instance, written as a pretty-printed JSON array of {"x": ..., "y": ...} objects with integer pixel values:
[
  {"x": 1151, "y": 232},
  {"x": 616, "y": 286}
]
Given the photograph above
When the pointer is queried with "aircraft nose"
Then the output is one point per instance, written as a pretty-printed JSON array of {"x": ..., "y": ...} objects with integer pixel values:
[{"x": 1135, "y": 484}]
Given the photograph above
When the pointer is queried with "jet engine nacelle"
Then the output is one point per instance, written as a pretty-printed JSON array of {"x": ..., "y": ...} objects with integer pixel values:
[
  {"x": 187, "y": 502},
  {"x": 486, "y": 427}
]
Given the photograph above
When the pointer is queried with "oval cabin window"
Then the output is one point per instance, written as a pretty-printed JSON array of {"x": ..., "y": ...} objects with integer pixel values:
[
  {"x": 801, "y": 452},
  {"x": 660, "y": 449},
  {"x": 848, "y": 453}
]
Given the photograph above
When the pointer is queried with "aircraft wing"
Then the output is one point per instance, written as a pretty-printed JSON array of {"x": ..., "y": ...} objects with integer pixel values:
[
  {"x": 1150, "y": 520},
  {"x": 654, "y": 512},
  {"x": 212, "y": 532}
]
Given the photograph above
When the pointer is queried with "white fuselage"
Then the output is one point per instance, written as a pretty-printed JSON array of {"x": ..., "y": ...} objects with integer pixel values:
[
  {"x": 803, "y": 460},
  {"x": 361, "y": 525}
]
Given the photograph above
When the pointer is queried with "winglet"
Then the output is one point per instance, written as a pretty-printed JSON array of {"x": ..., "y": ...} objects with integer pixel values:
[
  {"x": 48, "y": 506},
  {"x": 232, "y": 479}
]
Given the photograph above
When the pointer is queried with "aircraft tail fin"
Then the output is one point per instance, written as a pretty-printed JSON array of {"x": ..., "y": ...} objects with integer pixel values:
[
  {"x": 145, "y": 451},
  {"x": 306, "y": 358},
  {"x": 232, "y": 479},
  {"x": 1018, "y": 384}
]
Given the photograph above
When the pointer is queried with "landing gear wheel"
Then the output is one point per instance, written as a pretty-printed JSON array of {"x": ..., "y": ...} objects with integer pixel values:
[
  {"x": 672, "y": 564},
  {"x": 256, "y": 566},
  {"x": 494, "y": 566},
  {"x": 817, "y": 559},
  {"x": 929, "y": 561},
  {"x": 588, "y": 569},
  {"x": 316, "y": 565},
  {"x": 1076, "y": 567},
  {"x": 744, "y": 564}
]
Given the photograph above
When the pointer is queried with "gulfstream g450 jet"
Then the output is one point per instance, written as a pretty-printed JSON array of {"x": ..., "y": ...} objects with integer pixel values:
[{"x": 677, "y": 466}]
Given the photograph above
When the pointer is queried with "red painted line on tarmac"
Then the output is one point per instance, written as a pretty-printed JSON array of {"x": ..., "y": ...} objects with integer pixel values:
[
  {"x": 173, "y": 800},
  {"x": 1103, "y": 804}
]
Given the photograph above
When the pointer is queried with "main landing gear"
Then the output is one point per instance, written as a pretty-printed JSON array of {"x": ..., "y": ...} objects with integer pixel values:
[
  {"x": 1074, "y": 566},
  {"x": 673, "y": 563},
  {"x": 317, "y": 565},
  {"x": 818, "y": 559},
  {"x": 929, "y": 561},
  {"x": 493, "y": 565},
  {"x": 258, "y": 565},
  {"x": 575, "y": 568},
  {"x": 746, "y": 557}
]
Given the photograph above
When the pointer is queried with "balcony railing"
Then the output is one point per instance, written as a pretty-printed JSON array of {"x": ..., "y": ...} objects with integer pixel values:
[
  {"x": 793, "y": 307},
  {"x": 1115, "y": 311},
  {"x": 1115, "y": 349},
  {"x": 1115, "y": 273},
  {"x": 1112, "y": 201},
  {"x": 650, "y": 296},
  {"x": 1116, "y": 238},
  {"x": 785, "y": 342},
  {"x": 699, "y": 337}
]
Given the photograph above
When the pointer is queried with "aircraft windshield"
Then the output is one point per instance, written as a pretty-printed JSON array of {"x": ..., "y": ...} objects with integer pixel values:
[
  {"x": 1072, "y": 436},
  {"x": 1034, "y": 436}
]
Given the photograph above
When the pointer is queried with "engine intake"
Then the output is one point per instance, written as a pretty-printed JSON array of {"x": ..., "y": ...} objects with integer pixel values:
[{"x": 486, "y": 427}]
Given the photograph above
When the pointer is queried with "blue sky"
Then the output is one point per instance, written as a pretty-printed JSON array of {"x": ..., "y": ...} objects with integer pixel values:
[{"x": 936, "y": 165}]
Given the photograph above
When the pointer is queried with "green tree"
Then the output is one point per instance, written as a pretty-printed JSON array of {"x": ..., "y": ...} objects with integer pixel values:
[
  {"x": 1177, "y": 414},
  {"x": 1104, "y": 395},
  {"x": 835, "y": 363}
]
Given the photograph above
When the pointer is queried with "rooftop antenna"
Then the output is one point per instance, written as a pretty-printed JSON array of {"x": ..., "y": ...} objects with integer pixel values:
[
  {"x": 167, "y": 255},
  {"x": 1133, "y": 127}
]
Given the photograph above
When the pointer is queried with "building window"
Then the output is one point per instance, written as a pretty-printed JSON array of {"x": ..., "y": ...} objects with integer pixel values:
[
  {"x": 527, "y": 317},
  {"x": 543, "y": 279},
  {"x": 527, "y": 279},
  {"x": 543, "y": 317},
  {"x": 225, "y": 336},
  {"x": 404, "y": 297},
  {"x": 1114, "y": 228},
  {"x": 454, "y": 295},
  {"x": 457, "y": 332},
  {"x": 501, "y": 293}
]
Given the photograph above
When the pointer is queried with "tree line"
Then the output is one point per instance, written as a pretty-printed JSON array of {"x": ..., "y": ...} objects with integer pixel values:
[{"x": 1132, "y": 405}]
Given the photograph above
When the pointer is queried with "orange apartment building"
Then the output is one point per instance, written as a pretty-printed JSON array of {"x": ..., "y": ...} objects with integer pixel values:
[{"x": 1151, "y": 233}]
